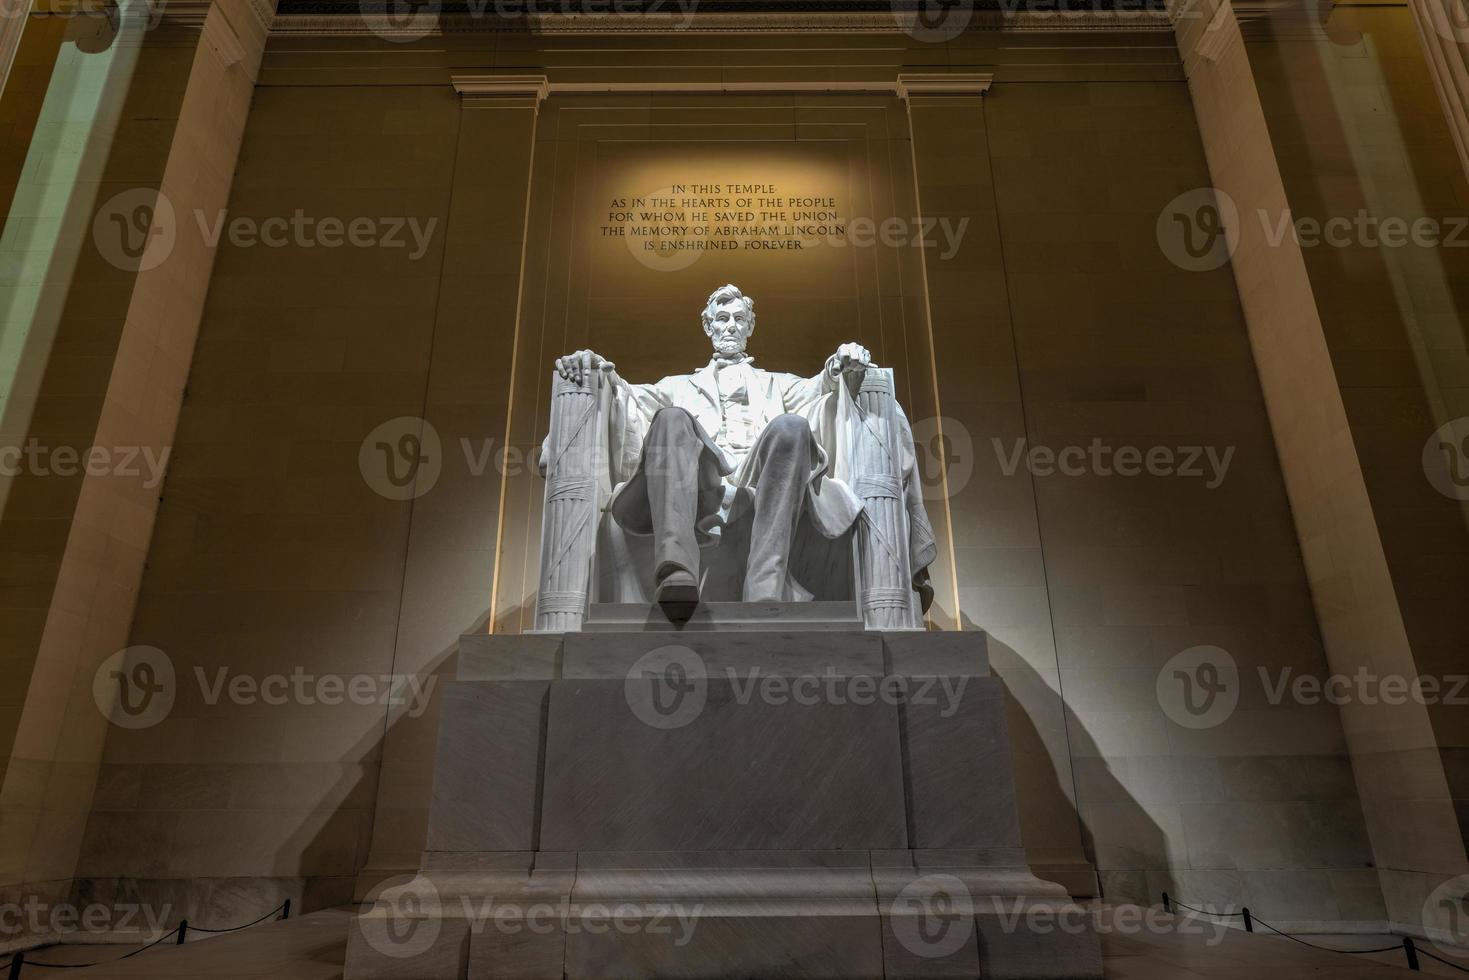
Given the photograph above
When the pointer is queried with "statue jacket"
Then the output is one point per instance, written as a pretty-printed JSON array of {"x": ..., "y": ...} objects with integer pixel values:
[{"x": 826, "y": 404}]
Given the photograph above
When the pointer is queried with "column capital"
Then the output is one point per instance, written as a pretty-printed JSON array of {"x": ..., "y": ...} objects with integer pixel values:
[
  {"x": 521, "y": 91},
  {"x": 926, "y": 85}
]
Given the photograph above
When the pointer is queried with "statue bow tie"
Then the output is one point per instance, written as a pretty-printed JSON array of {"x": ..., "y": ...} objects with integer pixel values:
[{"x": 731, "y": 360}]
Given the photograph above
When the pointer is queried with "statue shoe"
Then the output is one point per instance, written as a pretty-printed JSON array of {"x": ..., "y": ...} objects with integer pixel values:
[{"x": 677, "y": 588}]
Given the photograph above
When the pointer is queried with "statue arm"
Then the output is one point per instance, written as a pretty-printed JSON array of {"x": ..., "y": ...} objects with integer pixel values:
[
  {"x": 800, "y": 394},
  {"x": 632, "y": 409}
]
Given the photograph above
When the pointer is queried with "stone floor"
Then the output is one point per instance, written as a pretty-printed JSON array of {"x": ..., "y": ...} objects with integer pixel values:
[{"x": 311, "y": 947}]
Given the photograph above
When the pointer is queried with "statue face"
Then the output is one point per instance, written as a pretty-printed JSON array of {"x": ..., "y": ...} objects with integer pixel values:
[{"x": 730, "y": 327}]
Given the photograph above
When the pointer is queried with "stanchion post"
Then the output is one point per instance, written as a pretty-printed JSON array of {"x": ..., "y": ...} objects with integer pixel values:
[
  {"x": 1249, "y": 923},
  {"x": 1411, "y": 952},
  {"x": 183, "y": 930},
  {"x": 16, "y": 962},
  {"x": 286, "y": 909},
  {"x": 1167, "y": 905}
]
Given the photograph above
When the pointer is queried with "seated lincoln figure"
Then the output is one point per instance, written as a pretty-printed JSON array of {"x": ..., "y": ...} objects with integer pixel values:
[{"x": 733, "y": 444}]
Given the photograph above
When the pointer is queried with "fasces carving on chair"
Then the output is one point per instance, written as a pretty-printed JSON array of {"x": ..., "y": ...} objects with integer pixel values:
[{"x": 732, "y": 482}]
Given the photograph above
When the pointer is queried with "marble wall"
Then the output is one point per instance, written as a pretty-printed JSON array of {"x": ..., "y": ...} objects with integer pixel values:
[{"x": 334, "y": 508}]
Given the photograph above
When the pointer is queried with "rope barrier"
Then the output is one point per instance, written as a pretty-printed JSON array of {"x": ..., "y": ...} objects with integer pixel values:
[
  {"x": 283, "y": 907},
  {"x": 1222, "y": 915},
  {"x": 20, "y": 957},
  {"x": 1409, "y": 948},
  {"x": 18, "y": 961}
]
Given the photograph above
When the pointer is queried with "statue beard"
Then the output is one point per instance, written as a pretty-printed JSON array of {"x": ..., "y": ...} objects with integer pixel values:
[{"x": 727, "y": 348}]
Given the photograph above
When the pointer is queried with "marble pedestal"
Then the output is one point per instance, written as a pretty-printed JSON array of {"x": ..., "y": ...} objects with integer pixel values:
[{"x": 725, "y": 800}]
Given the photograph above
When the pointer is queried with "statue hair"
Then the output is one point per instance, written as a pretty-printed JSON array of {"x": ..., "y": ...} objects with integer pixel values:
[{"x": 723, "y": 295}]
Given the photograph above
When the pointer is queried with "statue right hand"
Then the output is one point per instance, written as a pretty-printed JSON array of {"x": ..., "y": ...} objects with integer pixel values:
[{"x": 579, "y": 366}]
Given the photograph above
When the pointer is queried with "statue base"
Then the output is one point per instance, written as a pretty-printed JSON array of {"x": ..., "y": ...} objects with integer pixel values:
[{"x": 714, "y": 803}]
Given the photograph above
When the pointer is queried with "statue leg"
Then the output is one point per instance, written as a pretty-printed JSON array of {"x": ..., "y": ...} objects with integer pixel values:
[
  {"x": 783, "y": 456},
  {"x": 671, "y": 455}
]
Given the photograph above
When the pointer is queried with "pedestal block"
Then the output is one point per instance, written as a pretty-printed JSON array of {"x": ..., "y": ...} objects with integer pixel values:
[{"x": 703, "y": 803}]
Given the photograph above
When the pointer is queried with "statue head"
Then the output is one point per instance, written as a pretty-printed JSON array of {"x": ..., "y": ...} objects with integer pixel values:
[{"x": 729, "y": 319}]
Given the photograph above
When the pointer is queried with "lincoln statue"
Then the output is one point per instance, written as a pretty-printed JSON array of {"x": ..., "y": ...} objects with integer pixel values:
[{"x": 731, "y": 445}]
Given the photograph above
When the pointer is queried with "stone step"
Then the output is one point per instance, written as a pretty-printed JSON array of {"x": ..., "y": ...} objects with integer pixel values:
[{"x": 634, "y": 617}]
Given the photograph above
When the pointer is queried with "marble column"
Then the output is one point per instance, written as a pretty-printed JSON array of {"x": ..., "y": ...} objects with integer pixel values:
[
  {"x": 1405, "y": 796},
  {"x": 1444, "y": 30},
  {"x": 181, "y": 88}
]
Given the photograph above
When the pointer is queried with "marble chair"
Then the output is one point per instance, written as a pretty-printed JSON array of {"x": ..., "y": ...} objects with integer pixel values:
[{"x": 587, "y": 559}]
